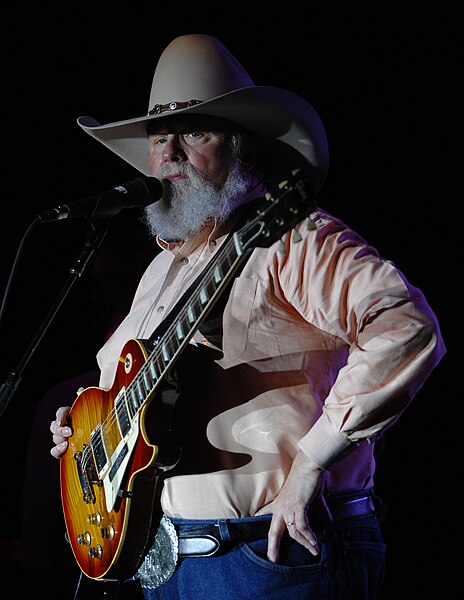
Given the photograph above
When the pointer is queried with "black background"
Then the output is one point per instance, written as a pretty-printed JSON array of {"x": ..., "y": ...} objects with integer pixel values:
[{"x": 384, "y": 87}]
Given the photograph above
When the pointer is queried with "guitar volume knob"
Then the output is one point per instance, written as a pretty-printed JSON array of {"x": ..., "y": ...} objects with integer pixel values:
[
  {"x": 107, "y": 532},
  {"x": 96, "y": 552},
  {"x": 84, "y": 538},
  {"x": 95, "y": 518}
]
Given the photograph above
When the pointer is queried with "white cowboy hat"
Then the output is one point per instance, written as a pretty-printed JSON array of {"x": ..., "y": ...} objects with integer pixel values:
[{"x": 197, "y": 75}]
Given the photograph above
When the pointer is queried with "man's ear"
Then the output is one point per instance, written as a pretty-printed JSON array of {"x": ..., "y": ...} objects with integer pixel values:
[{"x": 249, "y": 152}]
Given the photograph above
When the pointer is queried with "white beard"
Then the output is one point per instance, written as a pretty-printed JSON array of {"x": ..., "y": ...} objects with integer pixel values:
[{"x": 189, "y": 203}]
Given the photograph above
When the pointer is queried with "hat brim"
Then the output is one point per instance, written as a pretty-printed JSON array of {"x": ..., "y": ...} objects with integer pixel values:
[{"x": 274, "y": 114}]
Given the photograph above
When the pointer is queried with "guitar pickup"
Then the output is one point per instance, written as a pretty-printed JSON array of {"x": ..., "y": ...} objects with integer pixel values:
[{"x": 99, "y": 457}]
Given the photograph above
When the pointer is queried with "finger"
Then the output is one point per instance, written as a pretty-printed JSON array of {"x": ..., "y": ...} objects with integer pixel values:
[
  {"x": 302, "y": 533},
  {"x": 290, "y": 523},
  {"x": 60, "y": 433},
  {"x": 274, "y": 537},
  {"x": 58, "y": 450},
  {"x": 62, "y": 415},
  {"x": 55, "y": 426}
]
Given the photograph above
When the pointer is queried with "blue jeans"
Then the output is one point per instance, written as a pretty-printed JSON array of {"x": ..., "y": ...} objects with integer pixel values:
[{"x": 350, "y": 566}]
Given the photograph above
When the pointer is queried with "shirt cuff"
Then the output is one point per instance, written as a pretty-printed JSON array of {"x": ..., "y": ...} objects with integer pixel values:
[{"x": 324, "y": 444}]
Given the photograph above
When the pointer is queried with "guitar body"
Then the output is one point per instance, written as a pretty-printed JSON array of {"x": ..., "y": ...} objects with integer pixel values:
[{"x": 109, "y": 476}]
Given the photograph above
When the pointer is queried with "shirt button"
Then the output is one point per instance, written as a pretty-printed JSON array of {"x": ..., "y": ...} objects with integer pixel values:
[
  {"x": 160, "y": 309},
  {"x": 184, "y": 260},
  {"x": 213, "y": 243}
]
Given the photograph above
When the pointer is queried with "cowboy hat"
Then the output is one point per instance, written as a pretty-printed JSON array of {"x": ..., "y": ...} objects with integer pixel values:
[{"x": 197, "y": 75}]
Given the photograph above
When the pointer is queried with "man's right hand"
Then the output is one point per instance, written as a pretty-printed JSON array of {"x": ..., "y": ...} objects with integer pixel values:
[{"x": 61, "y": 431}]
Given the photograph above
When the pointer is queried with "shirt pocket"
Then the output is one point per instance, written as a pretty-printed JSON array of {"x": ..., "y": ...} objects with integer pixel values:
[{"x": 247, "y": 328}]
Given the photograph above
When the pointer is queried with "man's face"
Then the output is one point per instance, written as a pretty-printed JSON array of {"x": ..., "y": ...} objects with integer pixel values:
[
  {"x": 202, "y": 178},
  {"x": 198, "y": 141}
]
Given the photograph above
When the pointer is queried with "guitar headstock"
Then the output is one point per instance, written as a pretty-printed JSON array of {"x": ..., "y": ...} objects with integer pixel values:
[{"x": 278, "y": 211}]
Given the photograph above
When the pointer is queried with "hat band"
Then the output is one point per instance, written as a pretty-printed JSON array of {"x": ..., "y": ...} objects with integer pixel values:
[{"x": 159, "y": 108}]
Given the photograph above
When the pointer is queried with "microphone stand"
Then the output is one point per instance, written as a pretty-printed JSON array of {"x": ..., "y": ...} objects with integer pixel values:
[{"x": 92, "y": 241}]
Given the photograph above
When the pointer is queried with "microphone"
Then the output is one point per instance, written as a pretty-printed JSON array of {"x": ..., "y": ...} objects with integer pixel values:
[{"x": 139, "y": 192}]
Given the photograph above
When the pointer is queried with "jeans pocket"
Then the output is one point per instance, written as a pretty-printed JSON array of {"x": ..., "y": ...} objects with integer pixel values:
[
  {"x": 292, "y": 555},
  {"x": 298, "y": 575}
]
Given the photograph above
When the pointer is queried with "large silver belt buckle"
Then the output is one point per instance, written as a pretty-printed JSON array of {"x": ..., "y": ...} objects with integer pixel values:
[{"x": 160, "y": 562}]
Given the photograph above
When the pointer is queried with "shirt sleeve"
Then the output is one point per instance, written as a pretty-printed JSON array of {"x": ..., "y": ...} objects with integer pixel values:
[{"x": 394, "y": 340}]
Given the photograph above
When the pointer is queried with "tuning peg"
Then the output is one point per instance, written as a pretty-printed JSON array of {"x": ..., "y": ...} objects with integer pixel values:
[
  {"x": 281, "y": 247},
  {"x": 310, "y": 225},
  {"x": 296, "y": 236}
]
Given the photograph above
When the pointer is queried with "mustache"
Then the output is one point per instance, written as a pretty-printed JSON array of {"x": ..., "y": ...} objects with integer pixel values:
[{"x": 175, "y": 169}]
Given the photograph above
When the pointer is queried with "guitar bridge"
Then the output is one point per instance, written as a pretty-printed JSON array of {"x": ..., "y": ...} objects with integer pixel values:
[{"x": 83, "y": 473}]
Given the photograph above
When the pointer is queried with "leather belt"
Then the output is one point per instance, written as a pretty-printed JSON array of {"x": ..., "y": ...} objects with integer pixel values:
[
  {"x": 351, "y": 508},
  {"x": 207, "y": 540}
]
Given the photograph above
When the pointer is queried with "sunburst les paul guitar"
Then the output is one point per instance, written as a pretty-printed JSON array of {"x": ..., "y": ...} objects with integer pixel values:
[{"x": 109, "y": 474}]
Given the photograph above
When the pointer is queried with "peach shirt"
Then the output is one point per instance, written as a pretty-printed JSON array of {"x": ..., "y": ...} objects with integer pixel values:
[{"x": 325, "y": 344}]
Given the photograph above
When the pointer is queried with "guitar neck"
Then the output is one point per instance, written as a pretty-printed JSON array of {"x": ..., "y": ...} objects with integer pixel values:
[{"x": 166, "y": 348}]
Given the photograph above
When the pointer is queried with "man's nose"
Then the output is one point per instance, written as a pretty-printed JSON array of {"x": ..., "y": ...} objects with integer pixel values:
[{"x": 172, "y": 151}]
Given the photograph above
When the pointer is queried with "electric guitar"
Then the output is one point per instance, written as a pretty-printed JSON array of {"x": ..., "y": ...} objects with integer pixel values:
[{"x": 110, "y": 472}]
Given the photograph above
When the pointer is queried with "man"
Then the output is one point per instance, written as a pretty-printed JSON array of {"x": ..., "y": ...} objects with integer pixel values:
[{"x": 285, "y": 344}]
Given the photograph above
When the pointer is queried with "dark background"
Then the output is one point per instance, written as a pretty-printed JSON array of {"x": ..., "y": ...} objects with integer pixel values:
[{"x": 384, "y": 87}]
